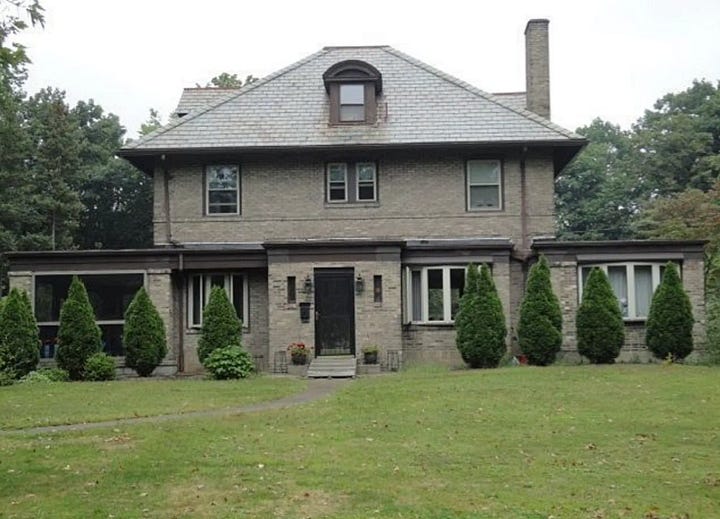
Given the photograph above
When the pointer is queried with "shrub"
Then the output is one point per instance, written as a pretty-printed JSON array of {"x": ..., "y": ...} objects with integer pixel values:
[
  {"x": 713, "y": 329},
  {"x": 229, "y": 363},
  {"x": 19, "y": 339},
  {"x": 540, "y": 325},
  {"x": 7, "y": 378},
  {"x": 144, "y": 335},
  {"x": 480, "y": 321},
  {"x": 99, "y": 366},
  {"x": 600, "y": 326},
  {"x": 670, "y": 321},
  {"x": 78, "y": 337},
  {"x": 221, "y": 327},
  {"x": 55, "y": 374}
]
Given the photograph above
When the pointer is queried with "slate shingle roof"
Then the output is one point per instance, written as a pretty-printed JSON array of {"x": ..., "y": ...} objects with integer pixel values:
[
  {"x": 194, "y": 98},
  {"x": 290, "y": 108}
]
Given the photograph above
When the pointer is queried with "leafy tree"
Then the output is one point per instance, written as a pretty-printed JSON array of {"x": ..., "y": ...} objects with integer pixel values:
[
  {"x": 670, "y": 321},
  {"x": 144, "y": 335},
  {"x": 480, "y": 322},
  {"x": 19, "y": 339},
  {"x": 153, "y": 123},
  {"x": 78, "y": 336},
  {"x": 599, "y": 321},
  {"x": 227, "y": 80},
  {"x": 221, "y": 327},
  {"x": 540, "y": 325}
]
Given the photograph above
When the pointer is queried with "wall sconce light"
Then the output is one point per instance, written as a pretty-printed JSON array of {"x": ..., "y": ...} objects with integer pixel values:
[
  {"x": 359, "y": 284},
  {"x": 308, "y": 285}
]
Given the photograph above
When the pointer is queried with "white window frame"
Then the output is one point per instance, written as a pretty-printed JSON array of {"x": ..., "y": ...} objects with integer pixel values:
[
  {"x": 236, "y": 167},
  {"x": 205, "y": 296},
  {"x": 447, "y": 294},
  {"x": 498, "y": 184},
  {"x": 630, "y": 279},
  {"x": 365, "y": 182},
  {"x": 329, "y": 183}
]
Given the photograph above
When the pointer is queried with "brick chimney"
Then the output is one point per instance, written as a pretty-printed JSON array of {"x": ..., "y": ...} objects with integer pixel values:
[{"x": 537, "y": 67}]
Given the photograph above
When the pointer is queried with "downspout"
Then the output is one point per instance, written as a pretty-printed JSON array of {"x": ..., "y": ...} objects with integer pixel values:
[
  {"x": 181, "y": 316},
  {"x": 523, "y": 205},
  {"x": 166, "y": 200}
]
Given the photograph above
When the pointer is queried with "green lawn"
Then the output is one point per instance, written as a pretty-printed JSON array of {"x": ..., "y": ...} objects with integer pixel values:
[
  {"x": 28, "y": 405},
  {"x": 561, "y": 442}
]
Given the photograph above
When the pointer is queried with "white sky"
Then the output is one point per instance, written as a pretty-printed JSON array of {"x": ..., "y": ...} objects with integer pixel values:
[{"x": 611, "y": 59}]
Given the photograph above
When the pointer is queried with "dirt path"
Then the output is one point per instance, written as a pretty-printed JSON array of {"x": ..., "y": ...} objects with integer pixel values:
[{"x": 316, "y": 390}]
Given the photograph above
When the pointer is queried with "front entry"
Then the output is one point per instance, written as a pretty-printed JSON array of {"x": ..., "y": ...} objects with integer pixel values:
[{"x": 334, "y": 312}]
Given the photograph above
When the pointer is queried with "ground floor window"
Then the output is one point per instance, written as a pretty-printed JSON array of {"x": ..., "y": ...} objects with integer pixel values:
[
  {"x": 433, "y": 293},
  {"x": 109, "y": 293},
  {"x": 199, "y": 287},
  {"x": 633, "y": 284}
]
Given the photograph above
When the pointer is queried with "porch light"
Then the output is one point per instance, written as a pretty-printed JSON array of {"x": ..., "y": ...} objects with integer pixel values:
[
  {"x": 359, "y": 284},
  {"x": 308, "y": 285}
]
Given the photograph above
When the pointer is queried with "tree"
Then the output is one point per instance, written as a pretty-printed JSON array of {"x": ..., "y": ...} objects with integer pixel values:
[
  {"x": 144, "y": 335},
  {"x": 480, "y": 322},
  {"x": 19, "y": 339},
  {"x": 599, "y": 321},
  {"x": 227, "y": 80},
  {"x": 670, "y": 321},
  {"x": 221, "y": 327},
  {"x": 153, "y": 123},
  {"x": 540, "y": 325},
  {"x": 78, "y": 336}
]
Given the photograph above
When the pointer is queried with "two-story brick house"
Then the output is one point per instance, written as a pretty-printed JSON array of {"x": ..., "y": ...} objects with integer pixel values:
[{"x": 338, "y": 202}]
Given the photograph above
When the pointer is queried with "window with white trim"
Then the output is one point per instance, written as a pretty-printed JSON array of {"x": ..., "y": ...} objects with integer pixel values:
[
  {"x": 484, "y": 185},
  {"x": 366, "y": 180},
  {"x": 633, "y": 283},
  {"x": 337, "y": 182},
  {"x": 433, "y": 293},
  {"x": 222, "y": 189},
  {"x": 199, "y": 287}
]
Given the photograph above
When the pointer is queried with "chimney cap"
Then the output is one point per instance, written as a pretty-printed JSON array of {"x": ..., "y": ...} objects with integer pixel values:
[{"x": 536, "y": 21}]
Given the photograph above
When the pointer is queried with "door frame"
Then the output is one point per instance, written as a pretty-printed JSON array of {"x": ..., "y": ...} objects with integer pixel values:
[{"x": 320, "y": 272}]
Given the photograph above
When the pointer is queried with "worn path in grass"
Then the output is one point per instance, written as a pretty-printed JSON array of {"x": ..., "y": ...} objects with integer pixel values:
[{"x": 317, "y": 389}]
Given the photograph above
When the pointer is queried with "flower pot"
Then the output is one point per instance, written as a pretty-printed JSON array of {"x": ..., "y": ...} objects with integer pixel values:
[
  {"x": 370, "y": 357},
  {"x": 298, "y": 359}
]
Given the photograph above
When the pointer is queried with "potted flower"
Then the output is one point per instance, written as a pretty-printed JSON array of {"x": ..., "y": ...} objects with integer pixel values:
[
  {"x": 370, "y": 354},
  {"x": 298, "y": 353}
]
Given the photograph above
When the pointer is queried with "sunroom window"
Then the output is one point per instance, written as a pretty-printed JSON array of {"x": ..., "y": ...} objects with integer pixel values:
[
  {"x": 433, "y": 293},
  {"x": 200, "y": 286}
]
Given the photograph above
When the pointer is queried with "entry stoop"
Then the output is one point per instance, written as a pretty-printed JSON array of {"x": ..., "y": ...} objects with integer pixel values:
[{"x": 333, "y": 367}]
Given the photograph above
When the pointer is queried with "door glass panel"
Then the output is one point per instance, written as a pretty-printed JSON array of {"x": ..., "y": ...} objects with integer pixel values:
[{"x": 435, "y": 295}]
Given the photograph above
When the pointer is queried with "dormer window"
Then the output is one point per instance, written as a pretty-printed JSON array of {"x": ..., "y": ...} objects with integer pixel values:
[{"x": 353, "y": 87}]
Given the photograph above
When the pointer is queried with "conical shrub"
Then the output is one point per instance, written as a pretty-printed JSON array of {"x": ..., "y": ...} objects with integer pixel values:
[
  {"x": 144, "y": 335},
  {"x": 670, "y": 321},
  {"x": 78, "y": 336},
  {"x": 19, "y": 338},
  {"x": 599, "y": 321},
  {"x": 540, "y": 325},
  {"x": 221, "y": 327}
]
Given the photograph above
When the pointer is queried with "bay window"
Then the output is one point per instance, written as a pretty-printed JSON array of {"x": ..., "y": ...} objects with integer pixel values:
[
  {"x": 433, "y": 293},
  {"x": 200, "y": 286}
]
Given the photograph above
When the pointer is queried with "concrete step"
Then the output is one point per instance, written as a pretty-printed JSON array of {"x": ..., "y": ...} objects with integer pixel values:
[{"x": 333, "y": 367}]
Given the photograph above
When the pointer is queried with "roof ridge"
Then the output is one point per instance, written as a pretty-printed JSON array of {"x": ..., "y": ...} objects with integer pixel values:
[
  {"x": 243, "y": 90},
  {"x": 481, "y": 93}
]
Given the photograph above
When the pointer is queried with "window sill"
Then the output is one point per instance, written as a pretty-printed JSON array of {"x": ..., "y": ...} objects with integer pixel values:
[
  {"x": 488, "y": 210},
  {"x": 438, "y": 324},
  {"x": 198, "y": 330},
  {"x": 353, "y": 205}
]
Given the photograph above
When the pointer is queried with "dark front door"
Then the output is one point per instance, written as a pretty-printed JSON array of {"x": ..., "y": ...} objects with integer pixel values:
[{"x": 334, "y": 312}]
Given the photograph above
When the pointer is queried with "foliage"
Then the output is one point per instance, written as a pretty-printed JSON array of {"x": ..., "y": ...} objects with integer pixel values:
[
  {"x": 713, "y": 328},
  {"x": 98, "y": 367},
  {"x": 670, "y": 321},
  {"x": 79, "y": 336},
  {"x": 599, "y": 321},
  {"x": 480, "y": 321},
  {"x": 227, "y": 80},
  {"x": 540, "y": 325},
  {"x": 19, "y": 339},
  {"x": 7, "y": 378},
  {"x": 153, "y": 123},
  {"x": 229, "y": 362},
  {"x": 221, "y": 327},
  {"x": 370, "y": 349},
  {"x": 299, "y": 353},
  {"x": 144, "y": 335},
  {"x": 46, "y": 375}
]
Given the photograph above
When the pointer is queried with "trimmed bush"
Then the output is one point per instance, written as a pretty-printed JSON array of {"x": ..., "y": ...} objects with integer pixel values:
[
  {"x": 600, "y": 326},
  {"x": 540, "y": 326},
  {"x": 19, "y": 339},
  {"x": 144, "y": 335},
  {"x": 221, "y": 327},
  {"x": 670, "y": 321},
  {"x": 78, "y": 337},
  {"x": 480, "y": 321},
  {"x": 98, "y": 367},
  {"x": 229, "y": 363},
  {"x": 713, "y": 329}
]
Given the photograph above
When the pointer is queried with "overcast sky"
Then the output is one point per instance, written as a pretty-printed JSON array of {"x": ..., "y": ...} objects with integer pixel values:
[{"x": 610, "y": 59}]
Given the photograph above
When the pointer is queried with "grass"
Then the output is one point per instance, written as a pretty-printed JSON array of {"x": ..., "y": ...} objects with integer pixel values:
[
  {"x": 29, "y": 405},
  {"x": 561, "y": 442}
]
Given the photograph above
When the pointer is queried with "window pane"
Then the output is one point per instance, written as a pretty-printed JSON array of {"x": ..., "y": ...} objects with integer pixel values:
[
  {"x": 416, "y": 290},
  {"x": 484, "y": 196},
  {"x": 377, "y": 289},
  {"x": 197, "y": 300},
  {"x": 111, "y": 294},
  {"x": 366, "y": 172},
  {"x": 435, "y": 295},
  {"x": 291, "y": 292},
  {"x": 238, "y": 296},
  {"x": 50, "y": 293},
  {"x": 216, "y": 280},
  {"x": 366, "y": 192},
  {"x": 352, "y": 113},
  {"x": 222, "y": 197},
  {"x": 112, "y": 339},
  {"x": 223, "y": 209},
  {"x": 352, "y": 94},
  {"x": 337, "y": 193},
  {"x": 457, "y": 288},
  {"x": 337, "y": 173},
  {"x": 618, "y": 281},
  {"x": 482, "y": 172},
  {"x": 222, "y": 177},
  {"x": 643, "y": 290},
  {"x": 585, "y": 275}
]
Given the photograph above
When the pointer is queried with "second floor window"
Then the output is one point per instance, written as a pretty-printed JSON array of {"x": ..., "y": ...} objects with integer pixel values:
[
  {"x": 337, "y": 182},
  {"x": 222, "y": 189},
  {"x": 351, "y": 182},
  {"x": 484, "y": 185}
]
